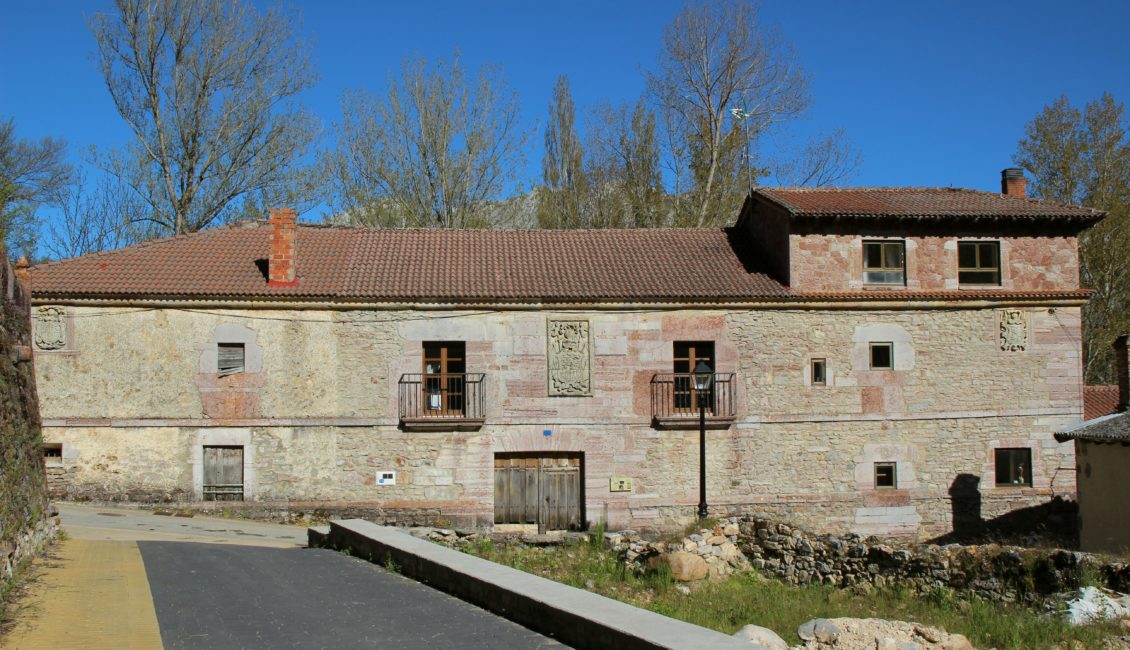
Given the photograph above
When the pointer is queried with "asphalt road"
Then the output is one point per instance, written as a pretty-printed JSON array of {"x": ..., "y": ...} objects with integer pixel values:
[{"x": 229, "y": 596}]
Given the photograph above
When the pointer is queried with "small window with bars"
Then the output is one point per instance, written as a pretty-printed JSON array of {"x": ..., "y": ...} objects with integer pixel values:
[
  {"x": 229, "y": 358},
  {"x": 52, "y": 453},
  {"x": 884, "y": 262},
  {"x": 979, "y": 262}
]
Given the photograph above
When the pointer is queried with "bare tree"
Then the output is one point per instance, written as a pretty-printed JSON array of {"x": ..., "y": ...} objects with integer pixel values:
[
  {"x": 717, "y": 57},
  {"x": 208, "y": 89},
  {"x": 1083, "y": 157},
  {"x": 562, "y": 164},
  {"x": 31, "y": 174},
  {"x": 825, "y": 160},
  {"x": 96, "y": 217},
  {"x": 436, "y": 150}
]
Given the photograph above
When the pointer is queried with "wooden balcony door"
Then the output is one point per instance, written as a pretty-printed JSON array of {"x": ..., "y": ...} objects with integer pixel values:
[
  {"x": 445, "y": 376},
  {"x": 687, "y": 356}
]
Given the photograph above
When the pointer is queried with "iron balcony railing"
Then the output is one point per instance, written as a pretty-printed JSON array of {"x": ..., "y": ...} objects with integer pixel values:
[
  {"x": 441, "y": 397},
  {"x": 673, "y": 396}
]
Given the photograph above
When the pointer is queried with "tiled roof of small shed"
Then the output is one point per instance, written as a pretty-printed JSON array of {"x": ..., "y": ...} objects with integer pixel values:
[
  {"x": 1108, "y": 428},
  {"x": 919, "y": 202},
  {"x": 338, "y": 263}
]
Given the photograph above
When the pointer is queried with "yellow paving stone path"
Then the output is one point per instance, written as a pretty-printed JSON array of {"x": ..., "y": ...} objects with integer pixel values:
[{"x": 95, "y": 595}]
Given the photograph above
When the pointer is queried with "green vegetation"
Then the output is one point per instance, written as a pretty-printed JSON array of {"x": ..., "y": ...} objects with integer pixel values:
[{"x": 729, "y": 604}]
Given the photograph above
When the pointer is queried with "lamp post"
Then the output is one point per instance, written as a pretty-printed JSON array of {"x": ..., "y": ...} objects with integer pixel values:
[{"x": 703, "y": 377}]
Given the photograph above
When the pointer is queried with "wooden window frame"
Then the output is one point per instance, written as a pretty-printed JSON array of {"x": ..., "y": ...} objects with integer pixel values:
[
  {"x": 822, "y": 364},
  {"x": 444, "y": 385},
  {"x": 1006, "y": 457},
  {"x": 686, "y": 395},
  {"x": 886, "y": 266},
  {"x": 893, "y": 466},
  {"x": 978, "y": 266},
  {"x": 871, "y": 347},
  {"x": 235, "y": 369}
]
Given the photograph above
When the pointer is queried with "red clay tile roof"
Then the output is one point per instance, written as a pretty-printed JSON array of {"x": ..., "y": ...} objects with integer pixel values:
[
  {"x": 1099, "y": 401},
  {"x": 440, "y": 266},
  {"x": 919, "y": 202}
]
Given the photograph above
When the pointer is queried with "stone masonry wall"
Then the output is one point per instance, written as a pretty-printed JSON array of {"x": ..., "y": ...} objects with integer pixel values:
[
  {"x": 133, "y": 396},
  {"x": 24, "y": 522},
  {"x": 834, "y": 262}
]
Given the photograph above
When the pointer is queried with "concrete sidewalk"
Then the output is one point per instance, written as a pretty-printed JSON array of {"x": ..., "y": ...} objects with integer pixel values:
[{"x": 89, "y": 594}]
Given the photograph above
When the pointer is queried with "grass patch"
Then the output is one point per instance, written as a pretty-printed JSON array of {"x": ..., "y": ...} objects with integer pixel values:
[{"x": 727, "y": 605}]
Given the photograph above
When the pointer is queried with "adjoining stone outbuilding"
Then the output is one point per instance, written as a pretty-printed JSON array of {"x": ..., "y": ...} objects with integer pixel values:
[
  {"x": 884, "y": 361},
  {"x": 1102, "y": 457}
]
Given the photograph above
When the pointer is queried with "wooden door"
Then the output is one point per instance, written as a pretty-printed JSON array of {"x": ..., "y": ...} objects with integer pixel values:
[
  {"x": 223, "y": 473},
  {"x": 538, "y": 489}
]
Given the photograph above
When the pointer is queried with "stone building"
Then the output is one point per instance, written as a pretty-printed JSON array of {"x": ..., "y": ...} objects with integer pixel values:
[
  {"x": 891, "y": 361},
  {"x": 1102, "y": 455}
]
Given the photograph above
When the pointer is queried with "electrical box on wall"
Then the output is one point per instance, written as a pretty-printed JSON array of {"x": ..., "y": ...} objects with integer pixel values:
[
  {"x": 620, "y": 484},
  {"x": 386, "y": 478}
]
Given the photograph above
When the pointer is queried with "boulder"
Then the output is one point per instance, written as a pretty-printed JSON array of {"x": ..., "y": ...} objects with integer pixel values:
[
  {"x": 686, "y": 567},
  {"x": 761, "y": 636},
  {"x": 819, "y": 629}
]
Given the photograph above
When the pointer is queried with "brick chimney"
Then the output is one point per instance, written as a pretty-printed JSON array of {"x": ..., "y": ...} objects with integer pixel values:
[
  {"x": 1013, "y": 182},
  {"x": 281, "y": 263},
  {"x": 1122, "y": 366}
]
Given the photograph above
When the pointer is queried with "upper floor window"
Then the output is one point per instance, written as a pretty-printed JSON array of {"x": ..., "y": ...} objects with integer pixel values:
[
  {"x": 979, "y": 262},
  {"x": 230, "y": 358},
  {"x": 688, "y": 354},
  {"x": 445, "y": 376},
  {"x": 884, "y": 262}
]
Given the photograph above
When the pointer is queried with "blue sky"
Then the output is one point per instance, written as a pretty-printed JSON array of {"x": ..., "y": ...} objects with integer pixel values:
[{"x": 931, "y": 93}]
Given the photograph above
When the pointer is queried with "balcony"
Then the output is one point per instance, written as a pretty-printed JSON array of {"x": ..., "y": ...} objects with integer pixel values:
[
  {"x": 441, "y": 402},
  {"x": 675, "y": 402}
]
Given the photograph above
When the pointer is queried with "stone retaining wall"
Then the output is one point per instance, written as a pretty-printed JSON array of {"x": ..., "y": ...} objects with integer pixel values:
[
  {"x": 24, "y": 526},
  {"x": 1007, "y": 573}
]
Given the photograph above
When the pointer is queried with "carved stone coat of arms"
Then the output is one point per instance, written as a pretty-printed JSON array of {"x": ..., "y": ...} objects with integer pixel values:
[{"x": 569, "y": 357}]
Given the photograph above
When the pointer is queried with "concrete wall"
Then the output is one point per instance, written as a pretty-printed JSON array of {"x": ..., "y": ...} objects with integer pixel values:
[
  {"x": 1103, "y": 496},
  {"x": 133, "y": 396}
]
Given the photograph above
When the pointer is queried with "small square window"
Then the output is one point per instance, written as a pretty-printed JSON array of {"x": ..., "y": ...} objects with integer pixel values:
[
  {"x": 884, "y": 262},
  {"x": 882, "y": 356},
  {"x": 1014, "y": 466},
  {"x": 819, "y": 372},
  {"x": 229, "y": 358},
  {"x": 52, "y": 453},
  {"x": 886, "y": 476},
  {"x": 979, "y": 262}
]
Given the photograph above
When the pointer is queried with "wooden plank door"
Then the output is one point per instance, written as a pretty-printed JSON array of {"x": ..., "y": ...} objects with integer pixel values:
[
  {"x": 223, "y": 473},
  {"x": 538, "y": 489}
]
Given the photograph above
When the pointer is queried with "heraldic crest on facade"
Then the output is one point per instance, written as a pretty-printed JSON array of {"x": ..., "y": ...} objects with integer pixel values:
[
  {"x": 1014, "y": 330},
  {"x": 51, "y": 328},
  {"x": 570, "y": 358}
]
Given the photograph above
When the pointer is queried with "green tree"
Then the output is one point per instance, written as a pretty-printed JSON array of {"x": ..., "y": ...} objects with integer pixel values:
[
  {"x": 623, "y": 163},
  {"x": 437, "y": 150},
  {"x": 208, "y": 89},
  {"x": 1082, "y": 157},
  {"x": 32, "y": 174},
  {"x": 560, "y": 203}
]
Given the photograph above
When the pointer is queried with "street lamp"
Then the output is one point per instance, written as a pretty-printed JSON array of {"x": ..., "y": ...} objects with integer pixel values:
[{"x": 703, "y": 377}]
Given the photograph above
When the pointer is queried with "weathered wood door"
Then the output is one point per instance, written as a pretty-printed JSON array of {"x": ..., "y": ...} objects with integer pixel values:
[
  {"x": 542, "y": 489},
  {"x": 223, "y": 473}
]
